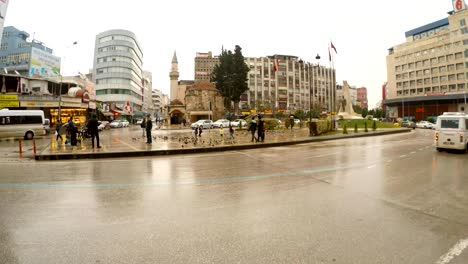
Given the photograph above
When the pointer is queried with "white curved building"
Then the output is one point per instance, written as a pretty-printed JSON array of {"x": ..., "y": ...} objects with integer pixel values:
[{"x": 118, "y": 71}]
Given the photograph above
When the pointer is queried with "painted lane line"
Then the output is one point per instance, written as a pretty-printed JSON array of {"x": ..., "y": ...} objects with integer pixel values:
[
  {"x": 453, "y": 252},
  {"x": 403, "y": 156},
  {"x": 413, "y": 152},
  {"x": 371, "y": 166}
]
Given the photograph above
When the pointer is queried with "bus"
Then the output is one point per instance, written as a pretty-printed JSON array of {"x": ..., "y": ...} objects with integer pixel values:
[{"x": 21, "y": 123}]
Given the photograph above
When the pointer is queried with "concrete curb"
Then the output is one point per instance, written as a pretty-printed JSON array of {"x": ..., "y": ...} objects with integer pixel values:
[{"x": 146, "y": 153}]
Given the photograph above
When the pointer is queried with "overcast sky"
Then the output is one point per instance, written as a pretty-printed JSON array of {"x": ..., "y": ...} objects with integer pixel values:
[{"x": 361, "y": 30}]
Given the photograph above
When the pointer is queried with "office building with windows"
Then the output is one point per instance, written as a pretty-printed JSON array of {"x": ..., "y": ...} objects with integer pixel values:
[
  {"x": 427, "y": 74},
  {"x": 295, "y": 85},
  {"x": 31, "y": 58},
  {"x": 118, "y": 73}
]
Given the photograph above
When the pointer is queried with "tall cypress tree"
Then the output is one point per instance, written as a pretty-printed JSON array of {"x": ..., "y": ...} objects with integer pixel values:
[{"x": 230, "y": 76}]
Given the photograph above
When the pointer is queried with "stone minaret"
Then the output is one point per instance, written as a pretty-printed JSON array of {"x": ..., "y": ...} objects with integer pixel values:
[{"x": 174, "y": 74}]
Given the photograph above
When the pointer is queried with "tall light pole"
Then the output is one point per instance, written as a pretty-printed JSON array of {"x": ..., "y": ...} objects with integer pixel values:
[
  {"x": 311, "y": 88},
  {"x": 60, "y": 87}
]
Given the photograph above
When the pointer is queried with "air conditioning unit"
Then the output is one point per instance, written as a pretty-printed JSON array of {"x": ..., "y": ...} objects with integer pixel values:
[{"x": 27, "y": 90}]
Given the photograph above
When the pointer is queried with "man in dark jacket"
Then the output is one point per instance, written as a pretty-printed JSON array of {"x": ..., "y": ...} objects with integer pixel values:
[
  {"x": 260, "y": 129},
  {"x": 93, "y": 130},
  {"x": 253, "y": 128},
  {"x": 149, "y": 126}
]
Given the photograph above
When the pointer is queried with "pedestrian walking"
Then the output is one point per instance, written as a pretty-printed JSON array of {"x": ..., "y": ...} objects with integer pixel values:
[
  {"x": 93, "y": 130},
  {"x": 143, "y": 127},
  {"x": 200, "y": 130},
  {"x": 71, "y": 132},
  {"x": 221, "y": 132},
  {"x": 231, "y": 132},
  {"x": 261, "y": 129},
  {"x": 253, "y": 128},
  {"x": 195, "y": 131},
  {"x": 149, "y": 126},
  {"x": 291, "y": 121},
  {"x": 58, "y": 126}
]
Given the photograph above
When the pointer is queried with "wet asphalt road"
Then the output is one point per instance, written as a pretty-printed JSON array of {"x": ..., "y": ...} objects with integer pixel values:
[{"x": 387, "y": 199}]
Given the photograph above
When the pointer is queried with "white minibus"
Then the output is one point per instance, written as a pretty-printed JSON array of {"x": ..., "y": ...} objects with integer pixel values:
[
  {"x": 451, "y": 131},
  {"x": 21, "y": 123}
]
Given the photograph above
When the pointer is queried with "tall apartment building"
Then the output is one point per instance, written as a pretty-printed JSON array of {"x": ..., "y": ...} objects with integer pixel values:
[
  {"x": 118, "y": 73},
  {"x": 295, "y": 85},
  {"x": 427, "y": 75},
  {"x": 28, "y": 58},
  {"x": 204, "y": 65},
  {"x": 361, "y": 94}
]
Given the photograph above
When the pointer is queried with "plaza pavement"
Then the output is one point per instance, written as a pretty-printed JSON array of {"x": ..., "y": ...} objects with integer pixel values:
[{"x": 129, "y": 142}]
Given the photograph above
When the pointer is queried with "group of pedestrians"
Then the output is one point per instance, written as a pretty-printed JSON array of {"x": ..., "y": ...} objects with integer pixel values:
[
  {"x": 259, "y": 127},
  {"x": 71, "y": 132}
]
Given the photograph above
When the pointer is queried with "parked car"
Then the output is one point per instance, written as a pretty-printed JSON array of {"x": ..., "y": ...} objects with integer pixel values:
[
  {"x": 139, "y": 121},
  {"x": 221, "y": 123},
  {"x": 103, "y": 125},
  {"x": 116, "y": 123},
  {"x": 205, "y": 123},
  {"x": 125, "y": 123},
  {"x": 236, "y": 123},
  {"x": 297, "y": 121},
  {"x": 425, "y": 124},
  {"x": 408, "y": 124}
]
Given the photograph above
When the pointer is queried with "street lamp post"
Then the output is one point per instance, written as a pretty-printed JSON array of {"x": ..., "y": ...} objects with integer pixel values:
[
  {"x": 311, "y": 88},
  {"x": 60, "y": 87}
]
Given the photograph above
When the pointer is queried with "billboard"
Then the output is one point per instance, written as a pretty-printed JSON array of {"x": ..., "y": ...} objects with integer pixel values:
[
  {"x": 3, "y": 9},
  {"x": 43, "y": 64}
]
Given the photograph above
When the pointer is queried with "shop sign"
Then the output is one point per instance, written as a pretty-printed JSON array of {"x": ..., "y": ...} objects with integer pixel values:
[
  {"x": 268, "y": 111},
  {"x": 8, "y": 97},
  {"x": 6, "y": 103},
  {"x": 435, "y": 93},
  {"x": 246, "y": 113},
  {"x": 71, "y": 100},
  {"x": 70, "y": 104},
  {"x": 38, "y": 104},
  {"x": 253, "y": 111},
  {"x": 92, "y": 105}
]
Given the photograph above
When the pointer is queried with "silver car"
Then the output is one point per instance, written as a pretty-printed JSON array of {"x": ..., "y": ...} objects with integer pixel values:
[
  {"x": 220, "y": 123},
  {"x": 205, "y": 123}
]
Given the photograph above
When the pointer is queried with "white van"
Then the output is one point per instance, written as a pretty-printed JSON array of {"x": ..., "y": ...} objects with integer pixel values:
[
  {"x": 21, "y": 123},
  {"x": 452, "y": 131}
]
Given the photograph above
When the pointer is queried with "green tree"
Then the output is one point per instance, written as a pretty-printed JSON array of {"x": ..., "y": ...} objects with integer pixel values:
[
  {"x": 364, "y": 112},
  {"x": 357, "y": 109},
  {"x": 230, "y": 76},
  {"x": 300, "y": 114}
]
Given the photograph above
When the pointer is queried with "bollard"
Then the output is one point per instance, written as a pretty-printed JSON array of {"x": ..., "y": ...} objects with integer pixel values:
[
  {"x": 34, "y": 147},
  {"x": 20, "y": 149}
]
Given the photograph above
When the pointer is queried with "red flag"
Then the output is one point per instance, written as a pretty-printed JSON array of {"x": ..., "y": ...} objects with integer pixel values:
[
  {"x": 275, "y": 65},
  {"x": 333, "y": 47}
]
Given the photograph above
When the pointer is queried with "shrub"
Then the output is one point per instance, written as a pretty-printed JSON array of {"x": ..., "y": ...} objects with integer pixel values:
[
  {"x": 270, "y": 124},
  {"x": 431, "y": 119},
  {"x": 355, "y": 128},
  {"x": 374, "y": 126},
  {"x": 365, "y": 127},
  {"x": 345, "y": 129}
]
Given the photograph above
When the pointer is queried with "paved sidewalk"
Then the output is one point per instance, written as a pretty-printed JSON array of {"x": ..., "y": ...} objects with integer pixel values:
[{"x": 129, "y": 142}]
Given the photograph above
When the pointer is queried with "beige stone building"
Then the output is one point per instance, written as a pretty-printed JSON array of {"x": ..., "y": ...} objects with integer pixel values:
[
  {"x": 203, "y": 101},
  {"x": 204, "y": 65},
  {"x": 427, "y": 74}
]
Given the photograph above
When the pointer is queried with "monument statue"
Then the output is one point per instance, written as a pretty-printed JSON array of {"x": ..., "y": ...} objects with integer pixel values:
[{"x": 346, "y": 110}]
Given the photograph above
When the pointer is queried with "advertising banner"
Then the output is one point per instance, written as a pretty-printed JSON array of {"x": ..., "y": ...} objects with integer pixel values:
[
  {"x": 38, "y": 104},
  {"x": 3, "y": 9},
  {"x": 458, "y": 5},
  {"x": 43, "y": 64}
]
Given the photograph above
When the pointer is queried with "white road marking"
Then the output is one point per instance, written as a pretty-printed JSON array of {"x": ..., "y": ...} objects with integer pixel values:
[
  {"x": 403, "y": 156},
  {"x": 453, "y": 252},
  {"x": 413, "y": 152},
  {"x": 371, "y": 166}
]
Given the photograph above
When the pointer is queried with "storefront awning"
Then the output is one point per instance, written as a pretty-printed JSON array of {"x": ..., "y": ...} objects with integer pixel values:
[{"x": 139, "y": 113}]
